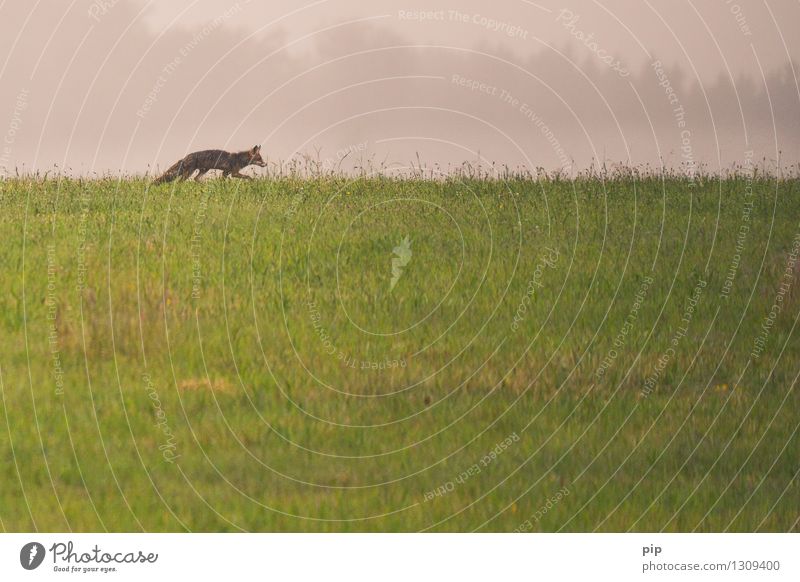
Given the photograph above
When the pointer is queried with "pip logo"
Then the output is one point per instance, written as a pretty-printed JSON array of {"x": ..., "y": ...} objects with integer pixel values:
[{"x": 31, "y": 555}]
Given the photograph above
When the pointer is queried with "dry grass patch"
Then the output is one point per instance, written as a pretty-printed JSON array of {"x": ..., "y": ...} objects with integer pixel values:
[{"x": 217, "y": 385}]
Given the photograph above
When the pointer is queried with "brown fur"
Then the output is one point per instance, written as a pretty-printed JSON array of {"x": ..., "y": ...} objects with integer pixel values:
[{"x": 231, "y": 164}]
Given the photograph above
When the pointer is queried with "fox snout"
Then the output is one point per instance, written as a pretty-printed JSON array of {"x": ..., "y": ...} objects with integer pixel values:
[{"x": 255, "y": 157}]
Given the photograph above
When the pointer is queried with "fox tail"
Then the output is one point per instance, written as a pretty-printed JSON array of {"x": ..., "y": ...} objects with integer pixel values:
[{"x": 171, "y": 174}]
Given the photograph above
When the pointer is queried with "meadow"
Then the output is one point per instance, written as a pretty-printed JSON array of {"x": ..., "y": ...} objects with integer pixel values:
[{"x": 605, "y": 353}]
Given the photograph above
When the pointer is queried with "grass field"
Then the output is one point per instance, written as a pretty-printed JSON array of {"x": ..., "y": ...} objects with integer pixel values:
[{"x": 554, "y": 355}]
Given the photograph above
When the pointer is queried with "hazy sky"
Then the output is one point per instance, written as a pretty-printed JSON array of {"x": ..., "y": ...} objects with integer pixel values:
[{"x": 127, "y": 85}]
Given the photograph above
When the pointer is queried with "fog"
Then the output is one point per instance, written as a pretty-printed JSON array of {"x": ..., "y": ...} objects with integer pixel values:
[{"x": 131, "y": 86}]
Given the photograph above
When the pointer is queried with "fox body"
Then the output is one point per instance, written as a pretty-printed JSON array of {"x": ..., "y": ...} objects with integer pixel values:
[{"x": 230, "y": 163}]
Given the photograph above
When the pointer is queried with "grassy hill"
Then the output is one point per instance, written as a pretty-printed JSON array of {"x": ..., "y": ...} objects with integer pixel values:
[{"x": 542, "y": 355}]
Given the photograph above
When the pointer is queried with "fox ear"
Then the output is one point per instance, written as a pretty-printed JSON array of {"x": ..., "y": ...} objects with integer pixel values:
[{"x": 256, "y": 149}]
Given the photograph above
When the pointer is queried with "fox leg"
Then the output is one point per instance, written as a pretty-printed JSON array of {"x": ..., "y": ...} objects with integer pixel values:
[
  {"x": 226, "y": 173},
  {"x": 199, "y": 175},
  {"x": 239, "y": 175}
]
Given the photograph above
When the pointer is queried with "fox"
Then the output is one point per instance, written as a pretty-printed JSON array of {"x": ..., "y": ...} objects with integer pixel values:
[{"x": 230, "y": 163}]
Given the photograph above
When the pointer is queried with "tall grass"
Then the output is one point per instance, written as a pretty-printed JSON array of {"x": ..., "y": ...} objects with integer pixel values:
[{"x": 230, "y": 355}]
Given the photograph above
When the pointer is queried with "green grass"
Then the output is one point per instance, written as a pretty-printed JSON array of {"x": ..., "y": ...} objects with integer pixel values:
[{"x": 250, "y": 329}]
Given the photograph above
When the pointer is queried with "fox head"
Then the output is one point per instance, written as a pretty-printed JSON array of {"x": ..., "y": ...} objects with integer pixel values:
[{"x": 255, "y": 156}]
